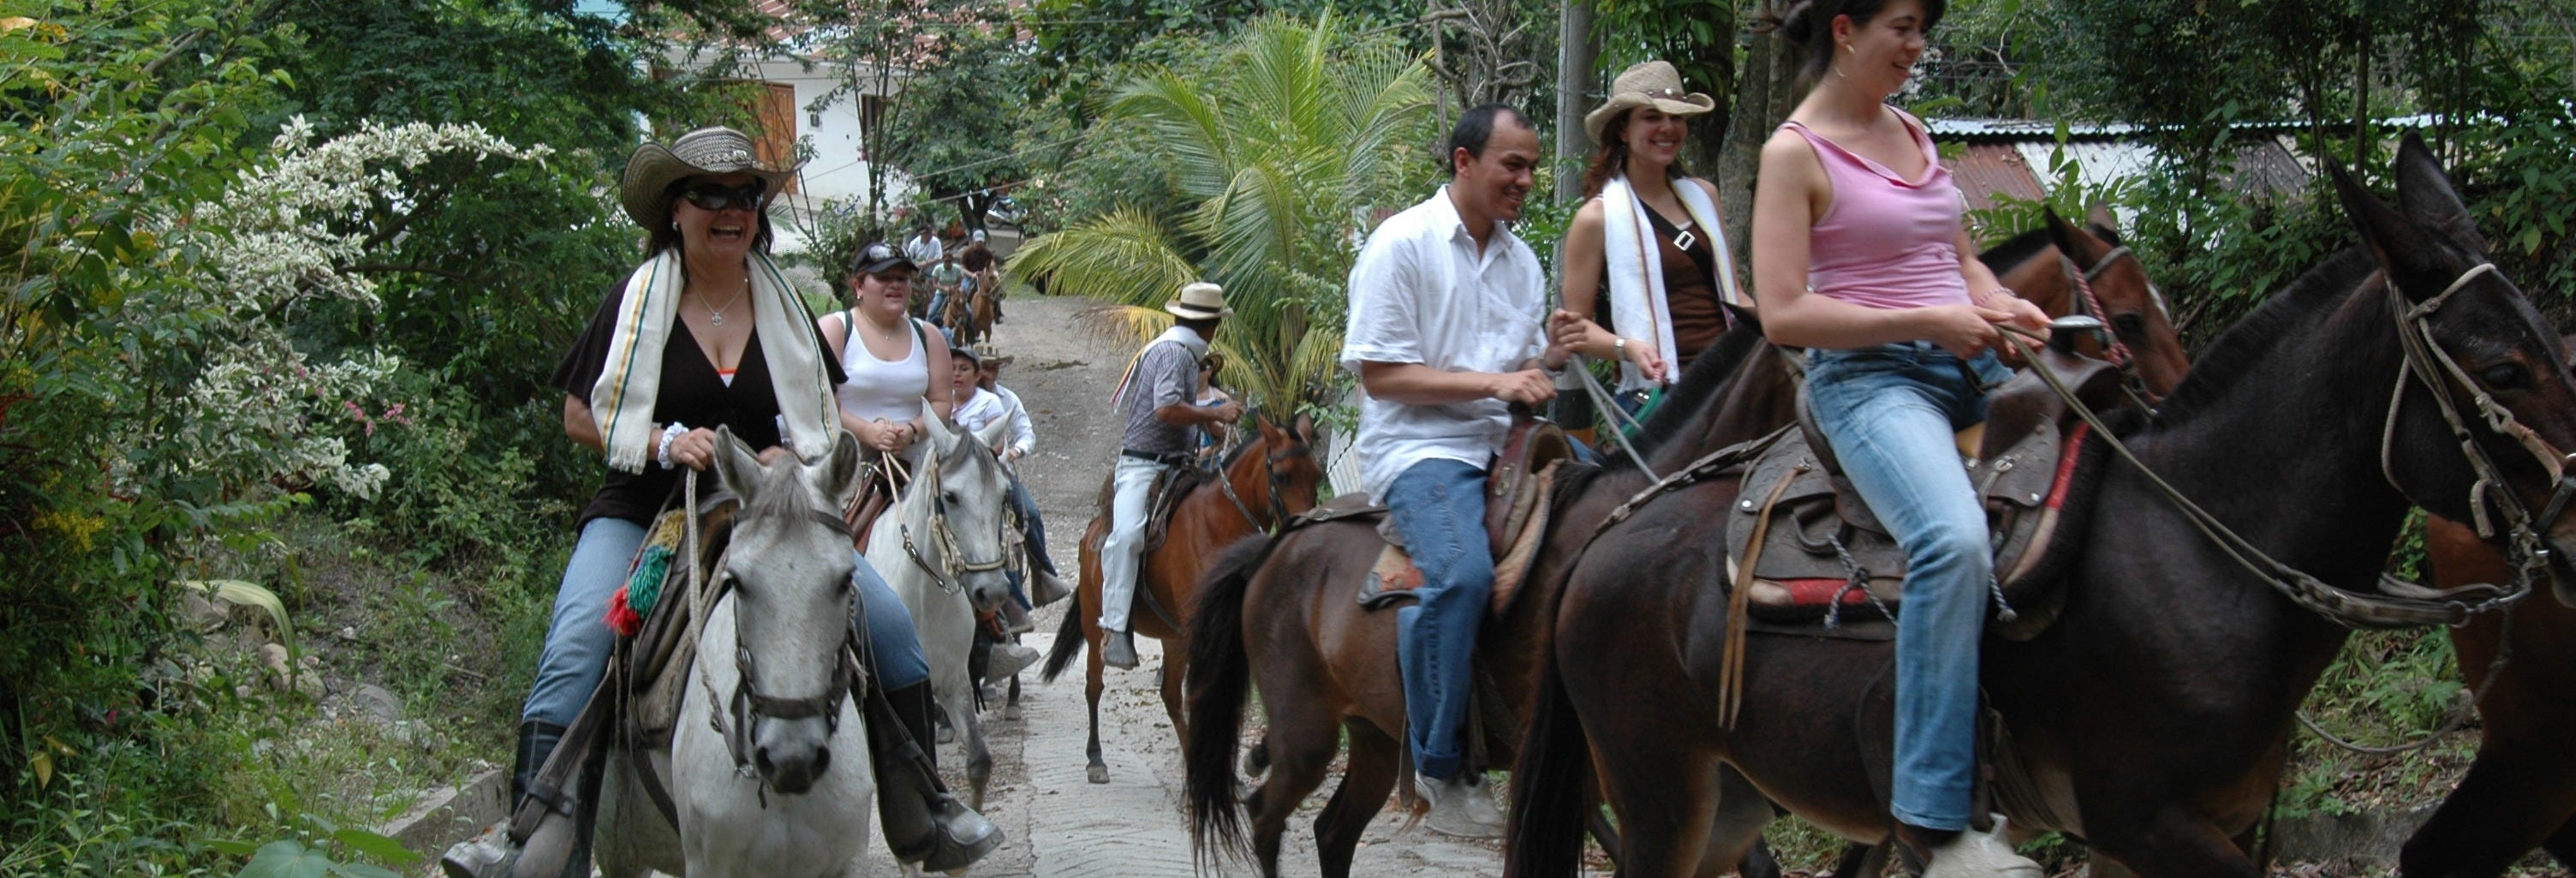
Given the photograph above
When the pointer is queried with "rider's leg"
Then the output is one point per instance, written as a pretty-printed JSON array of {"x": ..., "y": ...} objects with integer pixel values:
[
  {"x": 1121, "y": 556},
  {"x": 1889, "y": 413},
  {"x": 923, "y": 823},
  {"x": 1439, "y": 507},
  {"x": 1048, "y": 586}
]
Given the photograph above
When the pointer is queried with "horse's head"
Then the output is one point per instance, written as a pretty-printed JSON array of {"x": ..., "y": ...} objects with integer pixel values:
[
  {"x": 2485, "y": 410},
  {"x": 1290, "y": 469},
  {"x": 2128, "y": 299},
  {"x": 789, "y": 566},
  {"x": 969, "y": 515}
]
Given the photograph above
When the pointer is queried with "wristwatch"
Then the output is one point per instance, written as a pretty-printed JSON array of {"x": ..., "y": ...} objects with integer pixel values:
[{"x": 1619, "y": 349}]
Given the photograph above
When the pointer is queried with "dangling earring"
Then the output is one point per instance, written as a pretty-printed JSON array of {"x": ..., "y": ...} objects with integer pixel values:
[{"x": 1838, "y": 69}]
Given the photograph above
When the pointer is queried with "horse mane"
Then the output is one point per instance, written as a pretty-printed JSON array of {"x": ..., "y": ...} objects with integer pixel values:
[
  {"x": 781, "y": 496},
  {"x": 1700, "y": 386},
  {"x": 2019, "y": 249},
  {"x": 2229, "y": 361}
]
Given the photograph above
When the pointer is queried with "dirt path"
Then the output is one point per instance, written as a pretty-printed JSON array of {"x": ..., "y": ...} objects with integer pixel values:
[{"x": 1060, "y": 825}]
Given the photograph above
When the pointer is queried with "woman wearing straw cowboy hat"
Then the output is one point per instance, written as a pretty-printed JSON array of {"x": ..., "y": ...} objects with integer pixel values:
[
  {"x": 1159, "y": 399},
  {"x": 1648, "y": 237},
  {"x": 705, "y": 334}
]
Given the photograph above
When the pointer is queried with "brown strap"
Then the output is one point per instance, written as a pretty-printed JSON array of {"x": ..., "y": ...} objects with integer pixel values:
[{"x": 1730, "y": 673}]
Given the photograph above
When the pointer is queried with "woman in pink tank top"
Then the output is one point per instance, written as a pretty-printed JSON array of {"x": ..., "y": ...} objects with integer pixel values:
[{"x": 1860, "y": 257}]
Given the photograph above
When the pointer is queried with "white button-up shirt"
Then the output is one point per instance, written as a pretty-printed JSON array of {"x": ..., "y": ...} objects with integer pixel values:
[{"x": 1422, "y": 293}]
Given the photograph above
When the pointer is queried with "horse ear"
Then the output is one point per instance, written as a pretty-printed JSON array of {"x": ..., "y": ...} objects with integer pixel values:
[
  {"x": 841, "y": 476},
  {"x": 993, "y": 432},
  {"x": 2393, "y": 239},
  {"x": 2100, "y": 218},
  {"x": 1305, "y": 427},
  {"x": 2425, "y": 191},
  {"x": 2069, "y": 239},
  {"x": 737, "y": 468}
]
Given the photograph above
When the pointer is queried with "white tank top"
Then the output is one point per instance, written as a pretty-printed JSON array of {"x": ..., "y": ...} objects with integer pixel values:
[{"x": 892, "y": 390}]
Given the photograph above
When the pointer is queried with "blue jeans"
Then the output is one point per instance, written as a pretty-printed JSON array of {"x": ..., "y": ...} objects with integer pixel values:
[
  {"x": 579, "y": 642},
  {"x": 1439, "y": 507},
  {"x": 1889, "y": 412},
  {"x": 1032, "y": 535}
]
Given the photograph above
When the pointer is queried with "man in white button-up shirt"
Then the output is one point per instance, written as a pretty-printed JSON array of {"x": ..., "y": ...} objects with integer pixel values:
[{"x": 1446, "y": 332}]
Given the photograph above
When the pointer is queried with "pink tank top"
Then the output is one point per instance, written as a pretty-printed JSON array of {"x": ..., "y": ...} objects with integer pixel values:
[{"x": 1885, "y": 242}]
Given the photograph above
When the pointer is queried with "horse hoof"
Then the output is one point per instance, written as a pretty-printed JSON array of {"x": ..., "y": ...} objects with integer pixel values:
[
  {"x": 1099, "y": 773},
  {"x": 947, "y": 735},
  {"x": 1011, "y": 711}
]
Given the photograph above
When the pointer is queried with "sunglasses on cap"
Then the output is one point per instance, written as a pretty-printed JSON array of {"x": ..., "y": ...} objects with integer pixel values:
[{"x": 711, "y": 196}]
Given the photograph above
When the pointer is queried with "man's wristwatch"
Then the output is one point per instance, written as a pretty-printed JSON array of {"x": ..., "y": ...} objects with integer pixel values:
[{"x": 1619, "y": 349}]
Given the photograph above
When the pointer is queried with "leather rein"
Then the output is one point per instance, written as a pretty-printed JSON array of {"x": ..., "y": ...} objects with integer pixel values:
[
  {"x": 952, "y": 561},
  {"x": 1276, "y": 484}
]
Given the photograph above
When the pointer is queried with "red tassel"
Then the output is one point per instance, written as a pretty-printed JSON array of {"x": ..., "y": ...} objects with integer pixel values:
[{"x": 622, "y": 618}]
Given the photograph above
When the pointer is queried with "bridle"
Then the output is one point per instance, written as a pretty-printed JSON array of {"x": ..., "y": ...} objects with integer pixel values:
[
  {"x": 952, "y": 560},
  {"x": 2428, "y": 362},
  {"x": 749, "y": 705},
  {"x": 1278, "y": 483},
  {"x": 2085, "y": 301}
]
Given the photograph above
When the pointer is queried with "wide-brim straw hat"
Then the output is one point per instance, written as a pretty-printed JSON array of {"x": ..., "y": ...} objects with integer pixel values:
[
  {"x": 645, "y": 188},
  {"x": 1200, "y": 301},
  {"x": 1653, "y": 83}
]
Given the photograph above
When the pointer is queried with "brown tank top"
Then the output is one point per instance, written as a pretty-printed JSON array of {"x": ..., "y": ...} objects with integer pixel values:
[{"x": 1690, "y": 290}]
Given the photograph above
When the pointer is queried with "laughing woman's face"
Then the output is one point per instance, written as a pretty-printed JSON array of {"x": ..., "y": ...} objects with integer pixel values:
[{"x": 718, "y": 215}]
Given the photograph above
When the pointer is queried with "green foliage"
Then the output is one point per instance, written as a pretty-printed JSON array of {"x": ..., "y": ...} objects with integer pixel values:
[
  {"x": 2064, "y": 190},
  {"x": 1278, "y": 150},
  {"x": 946, "y": 130}
]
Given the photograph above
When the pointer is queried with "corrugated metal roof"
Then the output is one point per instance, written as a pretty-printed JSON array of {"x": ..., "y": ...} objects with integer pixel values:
[
  {"x": 2099, "y": 162},
  {"x": 1984, "y": 172}
]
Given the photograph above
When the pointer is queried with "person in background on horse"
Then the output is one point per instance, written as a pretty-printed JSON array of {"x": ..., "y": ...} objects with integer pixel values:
[
  {"x": 978, "y": 408},
  {"x": 889, "y": 360},
  {"x": 1859, "y": 255},
  {"x": 1647, "y": 235},
  {"x": 983, "y": 276},
  {"x": 1212, "y": 436},
  {"x": 705, "y": 334},
  {"x": 1022, "y": 441},
  {"x": 1159, "y": 400},
  {"x": 946, "y": 277},
  {"x": 1446, "y": 334}
]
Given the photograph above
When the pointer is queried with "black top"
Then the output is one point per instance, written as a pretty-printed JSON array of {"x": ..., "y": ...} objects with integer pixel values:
[{"x": 691, "y": 393}]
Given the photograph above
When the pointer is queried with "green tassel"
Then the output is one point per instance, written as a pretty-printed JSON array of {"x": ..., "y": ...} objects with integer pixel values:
[{"x": 645, "y": 586}]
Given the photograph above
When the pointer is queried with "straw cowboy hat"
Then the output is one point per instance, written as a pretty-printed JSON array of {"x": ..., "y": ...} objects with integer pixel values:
[
  {"x": 1200, "y": 301},
  {"x": 645, "y": 190},
  {"x": 1653, "y": 83}
]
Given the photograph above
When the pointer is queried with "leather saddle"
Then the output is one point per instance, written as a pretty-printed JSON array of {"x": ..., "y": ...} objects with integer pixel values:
[
  {"x": 1519, "y": 487},
  {"x": 1825, "y": 556},
  {"x": 1173, "y": 486},
  {"x": 654, "y": 664}
]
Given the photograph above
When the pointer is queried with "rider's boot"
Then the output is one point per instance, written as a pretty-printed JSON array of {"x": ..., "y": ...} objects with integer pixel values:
[
  {"x": 1118, "y": 650},
  {"x": 560, "y": 846},
  {"x": 1047, "y": 588},
  {"x": 923, "y": 823},
  {"x": 492, "y": 853}
]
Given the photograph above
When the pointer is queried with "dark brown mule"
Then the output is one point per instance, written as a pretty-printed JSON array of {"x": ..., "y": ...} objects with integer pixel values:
[
  {"x": 1324, "y": 665},
  {"x": 1265, "y": 481},
  {"x": 968, "y": 316},
  {"x": 1282, "y": 617},
  {"x": 2154, "y": 717},
  {"x": 2520, "y": 792},
  {"x": 2068, "y": 270}
]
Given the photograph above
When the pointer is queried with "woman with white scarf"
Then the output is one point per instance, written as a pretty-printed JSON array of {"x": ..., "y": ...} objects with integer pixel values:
[
  {"x": 1647, "y": 237},
  {"x": 706, "y": 333}
]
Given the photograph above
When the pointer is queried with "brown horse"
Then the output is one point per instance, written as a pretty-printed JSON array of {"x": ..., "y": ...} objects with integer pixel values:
[
  {"x": 968, "y": 315},
  {"x": 2068, "y": 270},
  {"x": 2520, "y": 792},
  {"x": 2152, "y": 720},
  {"x": 1323, "y": 665},
  {"x": 1265, "y": 482}
]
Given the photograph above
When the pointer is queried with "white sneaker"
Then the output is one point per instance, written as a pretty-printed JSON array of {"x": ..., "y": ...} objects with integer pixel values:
[
  {"x": 1461, "y": 806},
  {"x": 1976, "y": 854}
]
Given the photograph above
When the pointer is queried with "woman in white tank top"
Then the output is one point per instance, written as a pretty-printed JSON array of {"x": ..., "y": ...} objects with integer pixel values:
[{"x": 888, "y": 358}]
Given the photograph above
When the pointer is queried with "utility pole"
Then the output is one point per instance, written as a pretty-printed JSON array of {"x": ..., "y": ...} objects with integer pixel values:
[{"x": 1576, "y": 51}]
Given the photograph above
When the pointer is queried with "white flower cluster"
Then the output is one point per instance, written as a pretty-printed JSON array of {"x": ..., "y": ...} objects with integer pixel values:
[{"x": 289, "y": 230}]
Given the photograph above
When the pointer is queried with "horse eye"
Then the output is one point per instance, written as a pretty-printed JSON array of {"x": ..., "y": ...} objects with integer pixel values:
[
  {"x": 949, "y": 497},
  {"x": 2505, "y": 376},
  {"x": 2129, "y": 325}
]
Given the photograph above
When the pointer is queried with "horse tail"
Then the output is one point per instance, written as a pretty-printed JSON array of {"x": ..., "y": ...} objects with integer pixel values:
[
  {"x": 1068, "y": 639},
  {"x": 1219, "y": 680},
  {"x": 1550, "y": 786}
]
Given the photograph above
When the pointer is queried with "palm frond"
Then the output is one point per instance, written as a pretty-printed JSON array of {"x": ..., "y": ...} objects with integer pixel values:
[{"x": 1122, "y": 256}]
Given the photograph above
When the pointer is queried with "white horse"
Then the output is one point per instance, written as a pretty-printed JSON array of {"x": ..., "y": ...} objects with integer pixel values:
[
  {"x": 940, "y": 548},
  {"x": 767, "y": 768}
]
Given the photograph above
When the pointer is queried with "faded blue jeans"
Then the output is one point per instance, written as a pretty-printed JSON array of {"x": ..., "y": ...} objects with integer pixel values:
[
  {"x": 579, "y": 642},
  {"x": 1439, "y": 508},
  {"x": 1889, "y": 412},
  {"x": 1033, "y": 534}
]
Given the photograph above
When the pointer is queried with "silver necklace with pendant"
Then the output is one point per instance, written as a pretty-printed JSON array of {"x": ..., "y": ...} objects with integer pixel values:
[{"x": 715, "y": 315}]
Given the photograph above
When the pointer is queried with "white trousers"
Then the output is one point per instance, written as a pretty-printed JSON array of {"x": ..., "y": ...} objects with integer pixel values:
[{"x": 1122, "y": 553}]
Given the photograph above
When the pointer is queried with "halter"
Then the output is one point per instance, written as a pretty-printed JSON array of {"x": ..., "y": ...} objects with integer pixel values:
[
  {"x": 1277, "y": 484},
  {"x": 748, "y": 705},
  {"x": 2524, "y": 546},
  {"x": 2082, "y": 279},
  {"x": 952, "y": 561}
]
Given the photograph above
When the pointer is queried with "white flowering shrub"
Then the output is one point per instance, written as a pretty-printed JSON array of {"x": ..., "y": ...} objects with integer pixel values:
[{"x": 286, "y": 233}]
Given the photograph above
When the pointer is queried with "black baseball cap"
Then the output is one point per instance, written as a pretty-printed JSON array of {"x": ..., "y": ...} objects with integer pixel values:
[{"x": 878, "y": 257}]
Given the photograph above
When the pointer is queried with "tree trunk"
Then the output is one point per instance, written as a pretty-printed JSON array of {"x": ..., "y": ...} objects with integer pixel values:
[
  {"x": 1576, "y": 53},
  {"x": 1766, "y": 89}
]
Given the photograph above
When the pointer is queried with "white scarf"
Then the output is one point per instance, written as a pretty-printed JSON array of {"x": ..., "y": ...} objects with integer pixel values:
[
  {"x": 1636, "y": 268},
  {"x": 1180, "y": 335},
  {"x": 622, "y": 400}
]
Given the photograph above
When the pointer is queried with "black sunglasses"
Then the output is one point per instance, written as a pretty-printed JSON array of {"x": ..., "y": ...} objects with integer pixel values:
[{"x": 709, "y": 196}]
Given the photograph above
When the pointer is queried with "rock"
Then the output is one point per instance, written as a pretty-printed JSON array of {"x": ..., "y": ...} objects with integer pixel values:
[
  {"x": 201, "y": 612},
  {"x": 446, "y": 815},
  {"x": 376, "y": 701},
  {"x": 349, "y": 634},
  {"x": 280, "y": 670}
]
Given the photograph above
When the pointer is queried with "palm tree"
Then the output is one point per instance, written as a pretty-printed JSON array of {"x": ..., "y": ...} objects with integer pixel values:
[{"x": 1280, "y": 150}]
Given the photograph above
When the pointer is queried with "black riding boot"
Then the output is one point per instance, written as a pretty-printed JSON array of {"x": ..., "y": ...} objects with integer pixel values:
[{"x": 923, "y": 823}]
